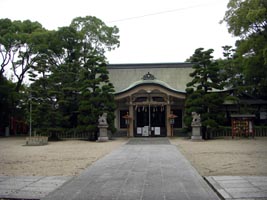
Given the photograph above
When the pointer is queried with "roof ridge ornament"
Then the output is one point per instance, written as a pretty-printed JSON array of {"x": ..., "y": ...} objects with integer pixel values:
[{"x": 148, "y": 76}]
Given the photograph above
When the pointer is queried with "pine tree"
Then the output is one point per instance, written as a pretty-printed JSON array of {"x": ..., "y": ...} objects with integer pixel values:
[
  {"x": 201, "y": 97},
  {"x": 96, "y": 97}
]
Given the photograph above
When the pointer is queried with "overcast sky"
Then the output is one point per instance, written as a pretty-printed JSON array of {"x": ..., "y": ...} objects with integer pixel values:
[{"x": 150, "y": 30}]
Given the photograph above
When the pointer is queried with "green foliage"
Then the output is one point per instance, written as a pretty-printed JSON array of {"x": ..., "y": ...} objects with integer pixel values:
[
  {"x": 67, "y": 68},
  {"x": 16, "y": 47},
  {"x": 205, "y": 76},
  {"x": 71, "y": 83},
  {"x": 246, "y": 17},
  {"x": 45, "y": 112},
  {"x": 12, "y": 103},
  {"x": 7, "y": 97},
  {"x": 95, "y": 34},
  {"x": 97, "y": 99},
  {"x": 251, "y": 52},
  {"x": 231, "y": 70},
  {"x": 248, "y": 20},
  {"x": 200, "y": 95}
]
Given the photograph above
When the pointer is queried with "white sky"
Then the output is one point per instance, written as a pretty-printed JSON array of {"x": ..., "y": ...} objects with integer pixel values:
[{"x": 171, "y": 36}]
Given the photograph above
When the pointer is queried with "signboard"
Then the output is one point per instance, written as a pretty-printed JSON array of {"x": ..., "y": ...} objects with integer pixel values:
[
  {"x": 157, "y": 130},
  {"x": 139, "y": 130},
  {"x": 263, "y": 115},
  {"x": 145, "y": 131}
]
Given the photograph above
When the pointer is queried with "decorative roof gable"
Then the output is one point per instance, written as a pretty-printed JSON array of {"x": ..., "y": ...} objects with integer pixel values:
[{"x": 148, "y": 76}]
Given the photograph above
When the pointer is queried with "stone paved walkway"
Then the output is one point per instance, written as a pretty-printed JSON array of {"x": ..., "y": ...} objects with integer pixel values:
[
  {"x": 29, "y": 187},
  {"x": 240, "y": 187},
  {"x": 144, "y": 169}
]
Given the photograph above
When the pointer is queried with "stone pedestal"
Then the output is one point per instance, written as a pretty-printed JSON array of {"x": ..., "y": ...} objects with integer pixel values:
[
  {"x": 36, "y": 141},
  {"x": 103, "y": 133},
  {"x": 7, "y": 131},
  {"x": 196, "y": 132}
]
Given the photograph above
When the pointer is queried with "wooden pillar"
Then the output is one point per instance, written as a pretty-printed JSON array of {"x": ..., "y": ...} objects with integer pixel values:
[
  {"x": 168, "y": 125},
  {"x": 131, "y": 125},
  {"x": 117, "y": 116},
  {"x": 131, "y": 113}
]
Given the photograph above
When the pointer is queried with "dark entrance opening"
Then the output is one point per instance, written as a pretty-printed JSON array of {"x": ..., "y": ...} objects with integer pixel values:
[{"x": 150, "y": 121}]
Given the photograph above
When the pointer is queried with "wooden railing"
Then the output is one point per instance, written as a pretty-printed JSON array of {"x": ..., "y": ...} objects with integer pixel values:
[
  {"x": 69, "y": 135},
  {"x": 260, "y": 131}
]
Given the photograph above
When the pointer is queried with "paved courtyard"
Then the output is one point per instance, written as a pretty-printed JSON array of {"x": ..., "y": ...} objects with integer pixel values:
[
  {"x": 29, "y": 187},
  {"x": 144, "y": 168},
  {"x": 240, "y": 187}
]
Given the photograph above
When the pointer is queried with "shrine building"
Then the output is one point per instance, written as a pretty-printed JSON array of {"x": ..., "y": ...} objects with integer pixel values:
[{"x": 150, "y": 98}]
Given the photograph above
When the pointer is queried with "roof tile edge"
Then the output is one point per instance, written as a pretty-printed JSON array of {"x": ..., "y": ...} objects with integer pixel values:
[{"x": 150, "y": 65}]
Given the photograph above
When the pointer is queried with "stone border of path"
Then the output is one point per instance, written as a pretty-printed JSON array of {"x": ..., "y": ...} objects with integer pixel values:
[
  {"x": 239, "y": 187},
  {"x": 227, "y": 187},
  {"x": 148, "y": 141},
  {"x": 29, "y": 187},
  {"x": 138, "y": 170}
]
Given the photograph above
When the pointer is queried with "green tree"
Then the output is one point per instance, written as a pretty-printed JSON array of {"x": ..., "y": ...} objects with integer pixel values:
[
  {"x": 16, "y": 47},
  {"x": 97, "y": 37},
  {"x": 56, "y": 62},
  {"x": 96, "y": 97},
  {"x": 247, "y": 19},
  {"x": 201, "y": 97},
  {"x": 45, "y": 114},
  {"x": 70, "y": 79},
  {"x": 96, "y": 90},
  {"x": 7, "y": 97},
  {"x": 7, "y": 43},
  {"x": 16, "y": 51},
  {"x": 56, "y": 80},
  {"x": 66, "y": 76},
  {"x": 232, "y": 71}
]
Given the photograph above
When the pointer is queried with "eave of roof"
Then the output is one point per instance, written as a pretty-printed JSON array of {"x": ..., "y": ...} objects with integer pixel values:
[
  {"x": 246, "y": 101},
  {"x": 243, "y": 116},
  {"x": 150, "y": 82},
  {"x": 150, "y": 65}
]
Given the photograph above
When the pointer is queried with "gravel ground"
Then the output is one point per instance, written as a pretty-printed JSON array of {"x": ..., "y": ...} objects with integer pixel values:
[
  {"x": 63, "y": 158},
  {"x": 219, "y": 157}
]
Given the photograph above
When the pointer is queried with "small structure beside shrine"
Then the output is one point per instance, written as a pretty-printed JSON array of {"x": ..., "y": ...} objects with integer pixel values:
[{"x": 243, "y": 125}]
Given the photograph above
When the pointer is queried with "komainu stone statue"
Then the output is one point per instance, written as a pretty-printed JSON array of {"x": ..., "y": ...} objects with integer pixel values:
[
  {"x": 196, "y": 126},
  {"x": 103, "y": 128},
  {"x": 102, "y": 120},
  {"x": 196, "y": 121}
]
